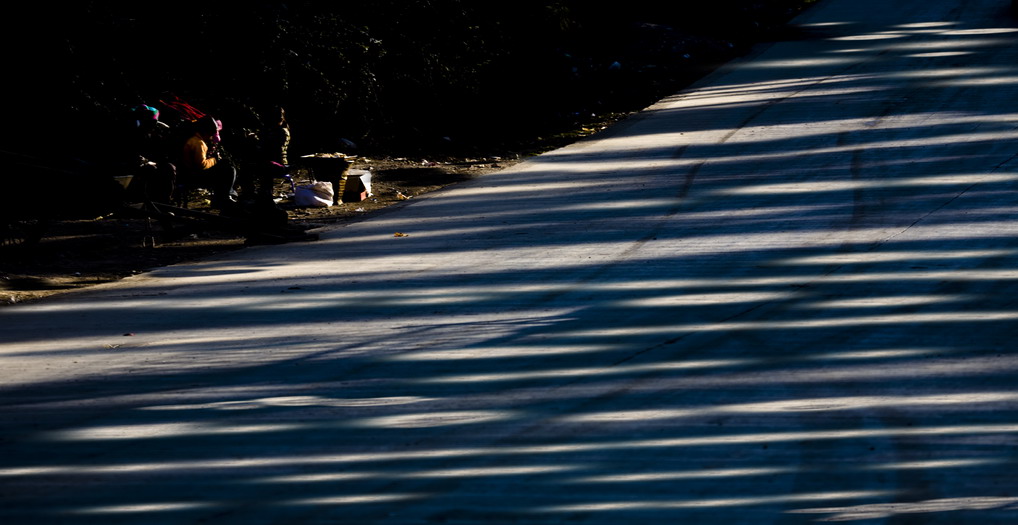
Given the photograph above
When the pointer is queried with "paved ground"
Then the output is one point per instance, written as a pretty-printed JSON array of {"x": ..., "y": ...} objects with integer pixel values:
[{"x": 786, "y": 295}]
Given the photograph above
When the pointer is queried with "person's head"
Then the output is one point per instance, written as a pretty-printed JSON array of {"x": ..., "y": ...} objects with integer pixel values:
[
  {"x": 208, "y": 127},
  {"x": 145, "y": 115}
]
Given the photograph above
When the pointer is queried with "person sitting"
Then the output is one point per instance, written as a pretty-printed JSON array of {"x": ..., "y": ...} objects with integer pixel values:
[
  {"x": 154, "y": 172},
  {"x": 202, "y": 163}
]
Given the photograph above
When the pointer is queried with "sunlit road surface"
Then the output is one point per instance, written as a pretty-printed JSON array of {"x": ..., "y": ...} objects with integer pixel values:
[{"x": 788, "y": 294}]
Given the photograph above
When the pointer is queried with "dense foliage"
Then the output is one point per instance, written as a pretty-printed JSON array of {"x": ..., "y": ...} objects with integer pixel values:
[{"x": 382, "y": 73}]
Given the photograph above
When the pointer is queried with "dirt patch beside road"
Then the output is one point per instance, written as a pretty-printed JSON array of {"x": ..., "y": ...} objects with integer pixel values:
[{"x": 75, "y": 254}]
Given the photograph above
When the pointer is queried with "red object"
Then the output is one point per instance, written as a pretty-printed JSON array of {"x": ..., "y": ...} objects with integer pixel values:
[{"x": 185, "y": 110}]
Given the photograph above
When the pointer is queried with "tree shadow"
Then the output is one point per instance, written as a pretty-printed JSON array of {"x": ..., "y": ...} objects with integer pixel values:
[{"x": 794, "y": 307}]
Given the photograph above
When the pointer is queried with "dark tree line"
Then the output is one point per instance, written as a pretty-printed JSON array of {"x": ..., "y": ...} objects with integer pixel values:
[{"x": 382, "y": 73}]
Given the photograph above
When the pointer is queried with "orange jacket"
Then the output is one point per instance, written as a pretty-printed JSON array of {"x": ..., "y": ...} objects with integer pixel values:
[{"x": 195, "y": 155}]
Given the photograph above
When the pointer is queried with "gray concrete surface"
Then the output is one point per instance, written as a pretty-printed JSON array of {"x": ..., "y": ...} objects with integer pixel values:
[{"x": 784, "y": 295}]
